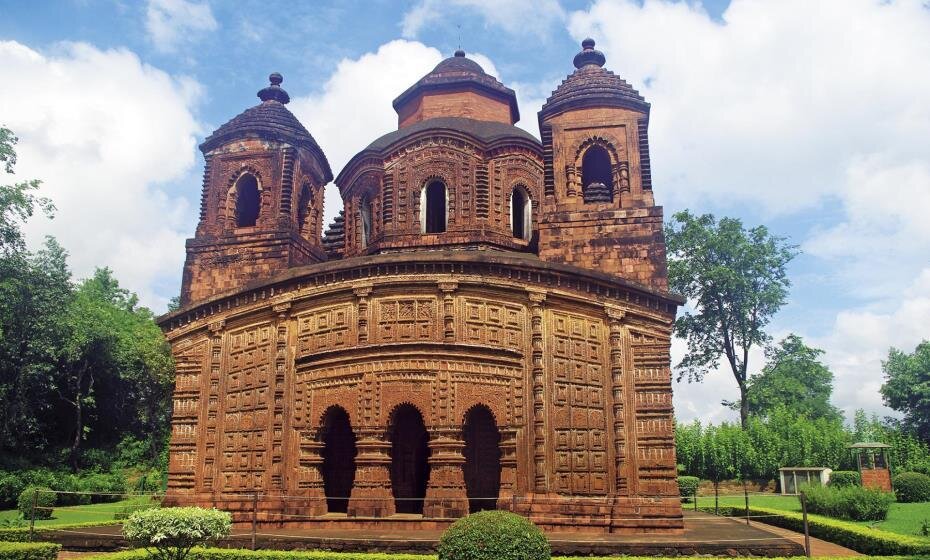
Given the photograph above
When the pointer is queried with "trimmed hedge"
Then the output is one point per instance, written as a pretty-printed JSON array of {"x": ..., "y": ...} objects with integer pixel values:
[
  {"x": 841, "y": 479},
  {"x": 46, "y": 532},
  {"x": 844, "y": 533},
  {"x": 911, "y": 487},
  {"x": 29, "y": 551},
  {"x": 493, "y": 535},
  {"x": 688, "y": 486},
  {"x": 43, "y": 498},
  {"x": 230, "y": 554},
  {"x": 850, "y": 502}
]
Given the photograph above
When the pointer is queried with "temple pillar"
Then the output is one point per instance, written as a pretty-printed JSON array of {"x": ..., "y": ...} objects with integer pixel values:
[
  {"x": 445, "y": 492},
  {"x": 311, "y": 473},
  {"x": 371, "y": 494},
  {"x": 508, "y": 487}
]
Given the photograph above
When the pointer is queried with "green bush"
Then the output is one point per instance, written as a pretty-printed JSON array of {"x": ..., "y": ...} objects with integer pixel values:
[
  {"x": 860, "y": 538},
  {"x": 688, "y": 486},
  {"x": 840, "y": 479},
  {"x": 912, "y": 487},
  {"x": 235, "y": 554},
  {"x": 29, "y": 551},
  {"x": 43, "y": 498},
  {"x": 850, "y": 502},
  {"x": 104, "y": 487},
  {"x": 493, "y": 535},
  {"x": 11, "y": 485},
  {"x": 172, "y": 532}
]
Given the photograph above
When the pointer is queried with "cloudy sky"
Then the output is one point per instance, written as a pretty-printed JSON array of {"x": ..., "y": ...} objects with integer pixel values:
[{"x": 812, "y": 117}]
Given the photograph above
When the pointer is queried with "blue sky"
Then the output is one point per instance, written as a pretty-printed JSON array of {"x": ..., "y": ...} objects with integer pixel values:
[{"x": 809, "y": 117}]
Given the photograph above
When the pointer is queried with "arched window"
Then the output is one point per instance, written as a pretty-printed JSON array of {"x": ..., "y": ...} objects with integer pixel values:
[
  {"x": 248, "y": 201},
  {"x": 304, "y": 202},
  {"x": 433, "y": 208},
  {"x": 365, "y": 212},
  {"x": 596, "y": 175},
  {"x": 521, "y": 213}
]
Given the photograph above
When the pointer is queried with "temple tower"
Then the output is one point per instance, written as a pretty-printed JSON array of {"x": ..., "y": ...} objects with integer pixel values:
[
  {"x": 262, "y": 203},
  {"x": 599, "y": 212}
]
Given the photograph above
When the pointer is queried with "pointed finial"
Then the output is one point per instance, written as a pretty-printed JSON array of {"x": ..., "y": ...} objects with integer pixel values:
[
  {"x": 460, "y": 53},
  {"x": 274, "y": 92},
  {"x": 588, "y": 55}
]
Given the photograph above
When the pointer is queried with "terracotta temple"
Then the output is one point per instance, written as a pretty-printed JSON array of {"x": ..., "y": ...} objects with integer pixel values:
[{"x": 486, "y": 325}]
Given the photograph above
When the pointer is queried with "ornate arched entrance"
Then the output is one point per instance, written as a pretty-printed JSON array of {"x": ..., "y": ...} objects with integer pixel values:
[
  {"x": 482, "y": 459},
  {"x": 338, "y": 458},
  {"x": 409, "y": 452}
]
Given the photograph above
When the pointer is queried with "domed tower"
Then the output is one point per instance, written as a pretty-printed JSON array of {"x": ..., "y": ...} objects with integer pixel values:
[
  {"x": 456, "y": 173},
  {"x": 599, "y": 211},
  {"x": 262, "y": 200}
]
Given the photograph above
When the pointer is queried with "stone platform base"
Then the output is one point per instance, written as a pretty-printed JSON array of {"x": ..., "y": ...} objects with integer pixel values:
[{"x": 703, "y": 534}]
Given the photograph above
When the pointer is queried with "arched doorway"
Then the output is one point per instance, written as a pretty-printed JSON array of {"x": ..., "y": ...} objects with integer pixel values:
[
  {"x": 409, "y": 452},
  {"x": 482, "y": 459},
  {"x": 338, "y": 459}
]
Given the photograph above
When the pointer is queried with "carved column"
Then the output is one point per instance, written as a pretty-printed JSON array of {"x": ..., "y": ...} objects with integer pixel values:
[
  {"x": 539, "y": 404},
  {"x": 508, "y": 448},
  {"x": 448, "y": 310},
  {"x": 615, "y": 326},
  {"x": 362, "y": 293},
  {"x": 311, "y": 472},
  {"x": 211, "y": 438},
  {"x": 371, "y": 494},
  {"x": 572, "y": 182},
  {"x": 282, "y": 310},
  {"x": 445, "y": 491}
]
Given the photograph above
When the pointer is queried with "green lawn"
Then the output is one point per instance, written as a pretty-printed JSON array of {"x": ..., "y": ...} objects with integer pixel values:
[
  {"x": 905, "y": 519},
  {"x": 81, "y": 514}
]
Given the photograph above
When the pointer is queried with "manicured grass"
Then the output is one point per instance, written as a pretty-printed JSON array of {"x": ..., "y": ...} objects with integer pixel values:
[
  {"x": 774, "y": 501},
  {"x": 905, "y": 519},
  {"x": 81, "y": 514}
]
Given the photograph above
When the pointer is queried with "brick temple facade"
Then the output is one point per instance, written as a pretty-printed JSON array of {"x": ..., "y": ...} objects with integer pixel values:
[{"x": 486, "y": 325}]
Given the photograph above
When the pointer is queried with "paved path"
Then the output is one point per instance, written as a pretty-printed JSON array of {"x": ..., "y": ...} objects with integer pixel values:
[{"x": 818, "y": 547}]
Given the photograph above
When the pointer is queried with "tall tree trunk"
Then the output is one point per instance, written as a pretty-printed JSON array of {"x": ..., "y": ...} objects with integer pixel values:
[
  {"x": 743, "y": 405},
  {"x": 79, "y": 417}
]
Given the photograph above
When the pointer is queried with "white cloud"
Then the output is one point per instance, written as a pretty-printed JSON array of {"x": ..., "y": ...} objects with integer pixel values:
[
  {"x": 514, "y": 16},
  {"x": 172, "y": 22},
  {"x": 351, "y": 112},
  {"x": 790, "y": 106},
  {"x": 87, "y": 130}
]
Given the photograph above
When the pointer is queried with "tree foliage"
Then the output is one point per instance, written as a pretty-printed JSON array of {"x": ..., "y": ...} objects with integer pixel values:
[
  {"x": 794, "y": 379},
  {"x": 82, "y": 366},
  {"x": 736, "y": 280},
  {"x": 907, "y": 387}
]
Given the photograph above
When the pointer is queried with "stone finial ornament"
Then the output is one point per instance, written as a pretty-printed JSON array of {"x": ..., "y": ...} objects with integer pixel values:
[
  {"x": 588, "y": 55},
  {"x": 274, "y": 92}
]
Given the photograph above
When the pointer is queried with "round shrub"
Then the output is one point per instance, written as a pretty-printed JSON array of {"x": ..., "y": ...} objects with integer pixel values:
[
  {"x": 841, "y": 479},
  {"x": 851, "y": 502},
  {"x": 912, "y": 487},
  {"x": 493, "y": 535},
  {"x": 10, "y": 487},
  {"x": 172, "y": 532},
  {"x": 688, "y": 486},
  {"x": 44, "y": 501}
]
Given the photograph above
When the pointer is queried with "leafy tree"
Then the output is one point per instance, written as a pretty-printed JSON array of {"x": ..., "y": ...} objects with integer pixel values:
[
  {"x": 17, "y": 201},
  {"x": 907, "y": 387},
  {"x": 795, "y": 379},
  {"x": 736, "y": 280}
]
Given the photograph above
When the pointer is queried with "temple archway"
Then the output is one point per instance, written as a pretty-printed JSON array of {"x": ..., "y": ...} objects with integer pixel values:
[
  {"x": 482, "y": 468},
  {"x": 338, "y": 459},
  {"x": 409, "y": 453}
]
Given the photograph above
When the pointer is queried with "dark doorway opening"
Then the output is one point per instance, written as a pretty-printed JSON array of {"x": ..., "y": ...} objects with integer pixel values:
[
  {"x": 436, "y": 207},
  {"x": 409, "y": 452},
  {"x": 338, "y": 459},
  {"x": 248, "y": 201},
  {"x": 482, "y": 459},
  {"x": 518, "y": 213},
  {"x": 596, "y": 175}
]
